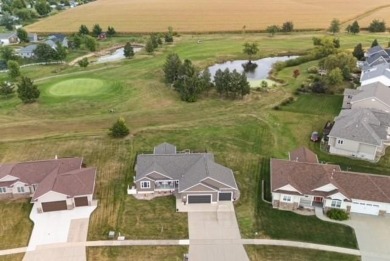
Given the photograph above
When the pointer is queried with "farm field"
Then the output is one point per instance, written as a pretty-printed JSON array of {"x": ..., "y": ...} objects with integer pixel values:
[
  {"x": 243, "y": 135},
  {"x": 211, "y": 16}
]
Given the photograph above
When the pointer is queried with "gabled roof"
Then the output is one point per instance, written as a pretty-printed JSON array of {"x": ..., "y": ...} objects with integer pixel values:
[
  {"x": 362, "y": 125},
  {"x": 303, "y": 154},
  {"x": 189, "y": 168},
  {"x": 306, "y": 177},
  {"x": 7, "y": 35},
  {"x": 377, "y": 71},
  {"x": 165, "y": 148},
  {"x": 374, "y": 50},
  {"x": 28, "y": 49},
  {"x": 377, "y": 91},
  {"x": 56, "y": 37},
  {"x": 64, "y": 175}
]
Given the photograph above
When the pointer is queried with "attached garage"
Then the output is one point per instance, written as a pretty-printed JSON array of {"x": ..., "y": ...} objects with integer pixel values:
[
  {"x": 197, "y": 199},
  {"x": 54, "y": 206},
  {"x": 81, "y": 201},
  {"x": 365, "y": 208},
  {"x": 225, "y": 196}
]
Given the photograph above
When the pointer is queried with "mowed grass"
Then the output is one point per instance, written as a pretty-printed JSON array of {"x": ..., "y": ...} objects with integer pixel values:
[
  {"x": 78, "y": 87},
  {"x": 138, "y": 253},
  {"x": 15, "y": 225},
  {"x": 279, "y": 253},
  {"x": 205, "y": 16},
  {"x": 315, "y": 104}
]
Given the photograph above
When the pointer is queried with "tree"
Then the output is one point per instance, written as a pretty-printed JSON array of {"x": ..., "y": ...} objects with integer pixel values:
[
  {"x": 111, "y": 31},
  {"x": 288, "y": 27},
  {"x": 83, "y": 62},
  {"x": 205, "y": 80},
  {"x": 77, "y": 40},
  {"x": 7, "y": 21},
  {"x": 334, "y": 26},
  {"x": 42, "y": 8},
  {"x": 171, "y": 67},
  {"x": 22, "y": 35},
  {"x": 374, "y": 43},
  {"x": 377, "y": 26},
  {"x": 119, "y": 129},
  {"x": 250, "y": 49},
  {"x": 358, "y": 52},
  {"x": 189, "y": 87},
  {"x": 27, "y": 91},
  {"x": 25, "y": 14},
  {"x": 43, "y": 52},
  {"x": 83, "y": 30},
  {"x": 231, "y": 84},
  {"x": 7, "y": 53},
  {"x": 13, "y": 69},
  {"x": 90, "y": 43},
  {"x": 336, "y": 42},
  {"x": 324, "y": 47},
  {"x": 339, "y": 60},
  {"x": 272, "y": 29},
  {"x": 128, "y": 50},
  {"x": 60, "y": 52},
  {"x": 355, "y": 28},
  {"x": 296, "y": 73},
  {"x": 149, "y": 46},
  {"x": 6, "y": 89},
  {"x": 168, "y": 38},
  {"x": 335, "y": 77},
  {"x": 97, "y": 30},
  {"x": 154, "y": 40}
]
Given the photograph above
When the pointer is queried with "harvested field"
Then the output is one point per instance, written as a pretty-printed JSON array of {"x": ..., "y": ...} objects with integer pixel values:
[{"x": 208, "y": 16}]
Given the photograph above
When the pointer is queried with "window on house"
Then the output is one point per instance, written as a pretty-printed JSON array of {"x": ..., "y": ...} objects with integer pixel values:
[
  {"x": 2, "y": 190},
  {"x": 340, "y": 141},
  {"x": 145, "y": 184},
  {"x": 21, "y": 189},
  {"x": 336, "y": 203},
  {"x": 286, "y": 198}
]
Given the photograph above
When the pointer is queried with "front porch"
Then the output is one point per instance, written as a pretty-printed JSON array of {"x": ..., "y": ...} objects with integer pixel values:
[{"x": 311, "y": 203}]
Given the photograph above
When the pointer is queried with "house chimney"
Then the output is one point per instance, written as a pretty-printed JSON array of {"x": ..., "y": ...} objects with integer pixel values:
[
  {"x": 56, "y": 157},
  {"x": 332, "y": 174}
]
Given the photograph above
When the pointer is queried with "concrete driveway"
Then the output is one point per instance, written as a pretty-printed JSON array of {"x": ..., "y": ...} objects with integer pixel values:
[
  {"x": 214, "y": 234},
  {"x": 373, "y": 235},
  {"x": 58, "y": 227}
]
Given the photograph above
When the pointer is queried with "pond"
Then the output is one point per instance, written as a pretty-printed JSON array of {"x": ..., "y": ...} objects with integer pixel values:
[
  {"x": 262, "y": 70},
  {"x": 115, "y": 56}
]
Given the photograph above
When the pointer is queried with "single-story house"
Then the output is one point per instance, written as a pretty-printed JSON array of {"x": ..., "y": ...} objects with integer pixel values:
[
  {"x": 58, "y": 38},
  {"x": 375, "y": 56},
  {"x": 57, "y": 184},
  {"x": 303, "y": 182},
  {"x": 192, "y": 177},
  {"x": 27, "y": 52},
  {"x": 371, "y": 96},
  {"x": 360, "y": 133},
  {"x": 9, "y": 38},
  {"x": 379, "y": 73}
]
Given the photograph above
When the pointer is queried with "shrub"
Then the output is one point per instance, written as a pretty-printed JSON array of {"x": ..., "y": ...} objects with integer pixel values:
[
  {"x": 119, "y": 129},
  {"x": 276, "y": 108},
  {"x": 312, "y": 69},
  {"x": 337, "y": 214}
]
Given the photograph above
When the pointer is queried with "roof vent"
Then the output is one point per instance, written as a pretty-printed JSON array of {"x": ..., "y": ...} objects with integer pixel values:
[{"x": 56, "y": 157}]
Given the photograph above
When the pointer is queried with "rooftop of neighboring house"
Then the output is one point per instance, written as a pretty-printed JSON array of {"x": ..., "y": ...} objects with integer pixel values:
[
  {"x": 303, "y": 154},
  {"x": 306, "y": 178},
  {"x": 64, "y": 175},
  {"x": 189, "y": 168},
  {"x": 377, "y": 71},
  {"x": 28, "y": 49},
  {"x": 362, "y": 125},
  {"x": 7, "y": 35}
]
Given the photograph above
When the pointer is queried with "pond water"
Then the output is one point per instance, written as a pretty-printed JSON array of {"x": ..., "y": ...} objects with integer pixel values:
[
  {"x": 115, "y": 56},
  {"x": 262, "y": 70}
]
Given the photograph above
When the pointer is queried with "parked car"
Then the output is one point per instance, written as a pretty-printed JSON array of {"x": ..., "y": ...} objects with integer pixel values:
[{"x": 315, "y": 136}]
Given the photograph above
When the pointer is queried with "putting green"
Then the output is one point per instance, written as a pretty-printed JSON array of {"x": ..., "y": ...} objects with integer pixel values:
[{"x": 78, "y": 87}]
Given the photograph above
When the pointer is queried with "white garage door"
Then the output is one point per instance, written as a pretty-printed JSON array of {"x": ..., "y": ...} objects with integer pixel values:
[{"x": 365, "y": 208}]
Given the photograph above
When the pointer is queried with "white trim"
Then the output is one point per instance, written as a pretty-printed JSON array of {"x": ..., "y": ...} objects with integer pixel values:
[
  {"x": 145, "y": 182},
  {"x": 211, "y": 198},
  {"x": 144, "y": 178},
  {"x": 197, "y": 185},
  {"x": 49, "y": 192},
  {"x": 231, "y": 195},
  {"x": 287, "y": 196},
  {"x": 3, "y": 190},
  {"x": 336, "y": 201},
  {"x": 219, "y": 182},
  {"x": 158, "y": 173}
]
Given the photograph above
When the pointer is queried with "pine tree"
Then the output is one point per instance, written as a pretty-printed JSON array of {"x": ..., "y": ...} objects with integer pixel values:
[
  {"x": 27, "y": 91},
  {"x": 128, "y": 50},
  {"x": 119, "y": 129}
]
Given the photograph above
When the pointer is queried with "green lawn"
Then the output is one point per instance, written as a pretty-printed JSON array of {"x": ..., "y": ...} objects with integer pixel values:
[
  {"x": 138, "y": 253},
  {"x": 78, "y": 87},
  {"x": 315, "y": 104},
  {"x": 278, "y": 253}
]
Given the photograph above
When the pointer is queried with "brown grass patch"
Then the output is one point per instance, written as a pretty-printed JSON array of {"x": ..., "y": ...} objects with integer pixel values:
[{"x": 205, "y": 15}]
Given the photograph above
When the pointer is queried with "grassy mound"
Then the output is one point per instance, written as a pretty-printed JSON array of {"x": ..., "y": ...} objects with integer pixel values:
[{"x": 78, "y": 87}]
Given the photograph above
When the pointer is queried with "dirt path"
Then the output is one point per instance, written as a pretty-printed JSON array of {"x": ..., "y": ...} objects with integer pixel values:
[
  {"x": 97, "y": 53},
  {"x": 365, "y": 14}
]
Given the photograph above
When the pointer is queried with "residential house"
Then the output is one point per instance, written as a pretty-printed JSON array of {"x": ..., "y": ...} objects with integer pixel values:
[
  {"x": 375, "y": 56},
  {"x": 59, "y": 38},
  {"x": 302, "y": 182},
  {"x": 9, "y": 38},
  {"x": 360, "y": 133},
  {"x": 32, "y": 37},
  {"x": 57, "y": 184},
  {"x": 379, "y": 73},
  {"x": 371, "y": 96},
  {"x": 27, "y": 52},
  {"x": 192, "y": 177}
]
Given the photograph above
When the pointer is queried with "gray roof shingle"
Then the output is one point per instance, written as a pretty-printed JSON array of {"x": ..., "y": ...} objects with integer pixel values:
[
  {"x": 376, "y": 90},
  {"x": 362, "y": 125},
  {"x": 377, "y": 71}
]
